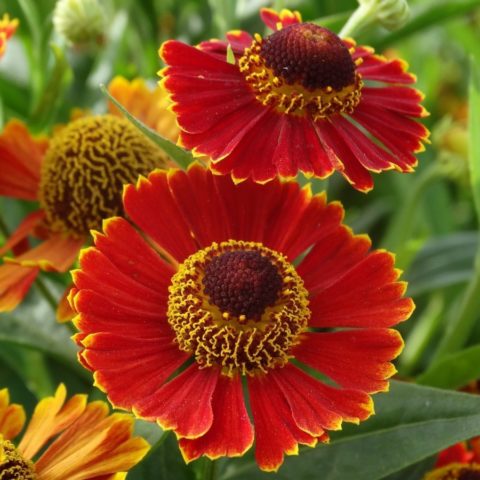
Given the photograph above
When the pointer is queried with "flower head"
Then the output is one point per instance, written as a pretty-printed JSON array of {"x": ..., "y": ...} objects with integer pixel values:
[
  {"x": 458, "y": 462},
  {"x": 233, "y": 282},
  {"x": 80, "y": 21},
  {"x": 77, "y": 177},
  {"x": 58, "y": 431},
  {"x": 7, "y": 29},
  {"x": 299, "y": 99}
]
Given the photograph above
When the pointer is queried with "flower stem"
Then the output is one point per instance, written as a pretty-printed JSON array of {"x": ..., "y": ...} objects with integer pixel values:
[
  {"x": 43, "y": 289},
  {"x": 400, "y": 228},
  {"x": 360, "y": 18},
  {"x": 209, "y": 469}
]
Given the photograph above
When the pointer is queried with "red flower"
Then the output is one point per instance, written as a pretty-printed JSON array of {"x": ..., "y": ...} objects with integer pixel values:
[
  {"x": 460, "y": 461},
  {"x": 231, "y": 282},
  {"x": 300, "y": 99}
]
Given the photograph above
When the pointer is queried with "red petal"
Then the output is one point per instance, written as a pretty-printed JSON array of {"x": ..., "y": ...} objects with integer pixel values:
[
  {"x": 15, "y": 281},
  {"x": 341, "y": 156},
  {"x": 132, "y": 255},
  {"x": 317, "y": 407},
  {"x": 276, "y": 431},
  {"x": 253, "y": 155},
  {"x": 152, "y": 207},
  {"x": 275, "y": 21},
  {"x": 99, "y": 313},
  {"x": 401, "y": 135},
  {"x": 21, "y": 157},
  {"x": 23, "y": 230},
  {"x": 56, "y": 254},
  {"x": 403, "y": 100},
  {"x": 129, "y": 369},
  {"x": 380, "y": 69},
  {"x": 102, "y": 276},
  {"x": 184, "y": 404},
  {"x": 187, "y": 60},
  {"x": 304, "y": 219},
  {"x": 369, "y": 155},
  {"x": 218, "y": 142},
  {"x": 201, "y": 206},
  {"x": 201, "y": 103},
  {"x": 331, "y": 257},
  {"x": 358, "y": 359},
  {"x": 231, "y": 433},
  {"x": 368, "y": 295},
  {"x": 299, "y": 148}
]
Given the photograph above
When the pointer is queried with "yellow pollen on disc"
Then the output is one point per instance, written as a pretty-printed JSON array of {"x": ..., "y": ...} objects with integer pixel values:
[
  {"x": 282, "y": 76},
  {"x": 455, "y": 471},
  {"x": 85, "y": 168},
  {"x": 248, "y": 277},
  {"x": 12, "y": 465}
]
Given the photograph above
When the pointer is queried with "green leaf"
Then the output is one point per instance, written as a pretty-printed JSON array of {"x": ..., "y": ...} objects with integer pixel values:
[
  {"x": 442, "y": 262},
  {"x": 455, "y": 370},
  {"x": 164, "y": 463},
  {"x": 412, "y": 424},
  {"x": 474, "y": 134},
  {"x": 33, "y": 325},
  {"x": 177, "y": 154}
]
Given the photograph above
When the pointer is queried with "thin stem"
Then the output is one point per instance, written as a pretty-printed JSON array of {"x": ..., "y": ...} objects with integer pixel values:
[
  {"x": 209, "y": 469},
  {"x": 400, "y": 228},
  {"x": 43, "y": 289},
  {"x": 360, "y": 18}
]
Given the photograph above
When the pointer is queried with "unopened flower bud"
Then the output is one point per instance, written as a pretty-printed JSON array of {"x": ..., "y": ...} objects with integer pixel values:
[
  {"x": 79, "y": 21},
  {"x": 391, "y": 14}
]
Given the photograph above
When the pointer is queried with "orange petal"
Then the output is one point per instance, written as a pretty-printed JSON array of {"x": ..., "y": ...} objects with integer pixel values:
[
  {"x": 24, "y": 229},
  {"x": 12, "y": 416},
  {"x": 149, "y": 106},
  {"x": 65, "y": 312},
  {"x": 21, "y": 158},
  {"x": 15, "y": 281},
  {"x": 51, "y": 416},
  {"x": 7, "y": 29},
  {"x": 96, "y": 445},
  {"x": 56, "y": 254}
]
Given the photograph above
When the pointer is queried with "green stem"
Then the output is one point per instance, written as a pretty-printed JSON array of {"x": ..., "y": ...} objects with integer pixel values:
[
  {"x": 360, "y": 18},
  {"x": 209, "y": 469},
  {"x": 400, "y": 229},
  {"x": 460, "y": 327},
  {"x": 43, "y": 289},
  {"x": 423, "y": 331}
]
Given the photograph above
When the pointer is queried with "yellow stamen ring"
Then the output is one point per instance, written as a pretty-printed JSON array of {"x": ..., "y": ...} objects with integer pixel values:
[
  {"x": 236, "y": 344},
  {"x": 12, "y": 464},
  {"x": 295, "y": 99}
]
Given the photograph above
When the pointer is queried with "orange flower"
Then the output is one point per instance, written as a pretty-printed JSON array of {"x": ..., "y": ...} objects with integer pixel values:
[
  {"x": 76, "y": 176},
  {"x": 74, "y": 439},
  {"x": 7, "y": 29}
]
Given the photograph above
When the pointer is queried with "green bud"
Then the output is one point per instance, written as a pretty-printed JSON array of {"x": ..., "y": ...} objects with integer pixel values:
[
  {"x": 79, "y": 21},
  {"x": 391, "y": 14}
]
